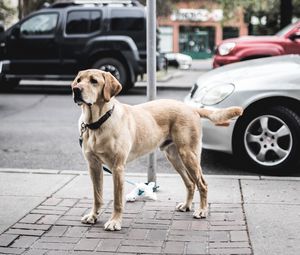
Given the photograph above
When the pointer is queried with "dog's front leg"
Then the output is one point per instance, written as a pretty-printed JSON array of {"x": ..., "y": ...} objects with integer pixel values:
[
  {"x": 115, "y": 220},
  {"x": 96, "y": 175}
]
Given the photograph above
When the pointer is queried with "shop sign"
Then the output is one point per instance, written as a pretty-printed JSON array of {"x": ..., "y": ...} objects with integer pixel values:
[{"x": 197, "y": 15}]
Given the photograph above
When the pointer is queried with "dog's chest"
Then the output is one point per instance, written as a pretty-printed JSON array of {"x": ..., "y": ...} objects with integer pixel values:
[
  {"x": 92, "y": 141},
  {"x": 102, "y": 147}
]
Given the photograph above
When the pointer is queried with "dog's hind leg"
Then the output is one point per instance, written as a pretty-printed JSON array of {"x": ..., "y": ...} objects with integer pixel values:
[
  {"x": 191, "y": 161},
  {"x": 96, "y": 175},
  {"x": 174, "y": 158}
]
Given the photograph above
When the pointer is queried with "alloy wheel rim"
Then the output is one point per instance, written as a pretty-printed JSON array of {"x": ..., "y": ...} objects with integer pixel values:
[
  {"x": 268, "y": 140},
  {"x": 112, "y": 69}
]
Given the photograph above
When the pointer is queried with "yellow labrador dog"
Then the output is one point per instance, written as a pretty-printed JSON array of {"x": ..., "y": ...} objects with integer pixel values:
[{"x": 114, "y": 134}]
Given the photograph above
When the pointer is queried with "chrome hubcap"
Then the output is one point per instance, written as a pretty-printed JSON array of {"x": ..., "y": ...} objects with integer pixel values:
[
  {"x": 112, "y": 69},
  {"x": 268, "y": 140}
]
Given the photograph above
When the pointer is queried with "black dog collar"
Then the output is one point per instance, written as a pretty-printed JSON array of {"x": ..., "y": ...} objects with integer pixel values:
[
  {"x": 95, "y": 125},
  {"x": 99, "y": 123}
]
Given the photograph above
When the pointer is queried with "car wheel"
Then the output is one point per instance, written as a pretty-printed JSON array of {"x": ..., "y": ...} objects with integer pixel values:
[
  {"x": 116, "y": 68},
  {"x": 269, "y": 139}
]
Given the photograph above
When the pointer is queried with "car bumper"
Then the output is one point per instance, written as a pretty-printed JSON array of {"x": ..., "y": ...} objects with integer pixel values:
[
  {"x": 224, "y": 60},
  {"x": 216, "y": 137},
  {"x": 185, "y": 65}
]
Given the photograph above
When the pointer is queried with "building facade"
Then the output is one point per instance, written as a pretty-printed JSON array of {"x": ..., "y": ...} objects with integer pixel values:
[{"x": 196, "y": 27}]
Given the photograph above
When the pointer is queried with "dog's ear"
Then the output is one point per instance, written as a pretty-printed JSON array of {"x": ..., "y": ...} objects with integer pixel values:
[{"x": 112, "y": 86}]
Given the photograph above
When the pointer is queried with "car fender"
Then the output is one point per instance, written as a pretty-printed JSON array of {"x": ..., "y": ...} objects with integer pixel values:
[
  {"x": 125, "y": 44},
  {"x": 268, "y": 95}
]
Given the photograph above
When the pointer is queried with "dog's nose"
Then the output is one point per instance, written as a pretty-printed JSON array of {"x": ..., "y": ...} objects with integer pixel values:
[{"x": 77, "y": 94}]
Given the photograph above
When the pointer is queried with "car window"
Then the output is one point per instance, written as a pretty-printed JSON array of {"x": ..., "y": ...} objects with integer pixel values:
[
  {"x": 127, "y": 21},
  {"x": 286, "y": 29},
  {"x": 41, "y": 24},
  {"x": 83, "y": 22}
]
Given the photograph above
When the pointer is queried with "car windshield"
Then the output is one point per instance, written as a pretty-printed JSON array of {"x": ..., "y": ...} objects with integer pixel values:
[{"x": 285, "y": 29}]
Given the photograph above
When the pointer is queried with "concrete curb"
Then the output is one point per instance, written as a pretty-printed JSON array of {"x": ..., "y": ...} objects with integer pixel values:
[{"x": 76, "y": 172}]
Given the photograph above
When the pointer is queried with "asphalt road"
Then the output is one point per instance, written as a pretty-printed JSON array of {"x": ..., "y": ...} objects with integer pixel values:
[{"x": 38, "y": 130}]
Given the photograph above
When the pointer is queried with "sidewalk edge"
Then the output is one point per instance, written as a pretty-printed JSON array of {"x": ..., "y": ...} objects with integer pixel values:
[{"x": 162, "y": 175}]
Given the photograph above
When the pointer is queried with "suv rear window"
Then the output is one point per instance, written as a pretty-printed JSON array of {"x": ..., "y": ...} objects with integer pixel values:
[
  {"x": 129, "y": 20},
  {"x": 83, "y": 22}
]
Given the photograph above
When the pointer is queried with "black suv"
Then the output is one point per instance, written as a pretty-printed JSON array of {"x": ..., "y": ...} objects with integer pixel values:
[{"x": 58, "y": 41}]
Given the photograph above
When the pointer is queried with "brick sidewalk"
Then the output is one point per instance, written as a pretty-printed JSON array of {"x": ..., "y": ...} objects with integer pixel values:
[{"x": 54, "y": 228}]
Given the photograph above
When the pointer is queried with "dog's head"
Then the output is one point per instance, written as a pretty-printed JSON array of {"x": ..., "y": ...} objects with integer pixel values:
[{"x": 93, "y": 85}]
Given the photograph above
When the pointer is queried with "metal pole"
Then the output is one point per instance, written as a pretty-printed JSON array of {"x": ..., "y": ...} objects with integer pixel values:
[{"x": 151, "y": 74}]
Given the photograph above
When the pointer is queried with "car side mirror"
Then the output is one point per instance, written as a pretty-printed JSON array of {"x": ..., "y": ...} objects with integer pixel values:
[
  {"x": 295, "y": 36},
  {"x": 15, "y": 32}
]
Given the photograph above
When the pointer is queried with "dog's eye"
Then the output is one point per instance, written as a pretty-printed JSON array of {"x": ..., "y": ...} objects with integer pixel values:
[
  {"x": 78, "y": 80},
  {"x": 94, "y": 81}
]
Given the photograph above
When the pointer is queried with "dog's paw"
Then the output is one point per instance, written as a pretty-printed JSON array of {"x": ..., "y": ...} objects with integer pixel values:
[
  {"x": 113, "y": 225},
  {"x": 200, "y": 213},
  {"x": 90, "y": 218},
  {"x": 183, "y": 207}
]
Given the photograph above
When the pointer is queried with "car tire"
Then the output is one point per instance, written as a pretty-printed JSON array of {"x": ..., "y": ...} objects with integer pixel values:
[
  {"x": 269, "y": 140},
  {"x": 7, "y": 85},
  {"x": 117, "y": 69}
]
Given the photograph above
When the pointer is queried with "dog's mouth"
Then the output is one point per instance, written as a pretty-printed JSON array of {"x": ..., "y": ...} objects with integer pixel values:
[
  {"x": 78, "y": 101},
  {"x": 78, "y": 98}
]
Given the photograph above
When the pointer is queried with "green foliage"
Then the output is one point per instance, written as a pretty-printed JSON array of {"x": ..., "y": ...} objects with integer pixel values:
[
  {"x": 296, "y": 11},
  {"x": 163, "y": 7},
  {"x": 32, "y": 5},
  {"x": 255, "y": 5},
  {"x": 270, "y": 9},
  {"x": 6, "y": 11}
]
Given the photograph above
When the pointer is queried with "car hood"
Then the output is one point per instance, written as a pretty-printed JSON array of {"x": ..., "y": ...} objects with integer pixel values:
[
  {"x": 256, "y": 39},
  {"x": 251, "y": 73}
]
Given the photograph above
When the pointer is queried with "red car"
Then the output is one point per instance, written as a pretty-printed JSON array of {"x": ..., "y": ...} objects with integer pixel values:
[{"x": 286, "y": 41}]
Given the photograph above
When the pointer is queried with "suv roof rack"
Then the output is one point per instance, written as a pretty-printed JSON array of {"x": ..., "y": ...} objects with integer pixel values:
[{"x": 65, "y": 3}]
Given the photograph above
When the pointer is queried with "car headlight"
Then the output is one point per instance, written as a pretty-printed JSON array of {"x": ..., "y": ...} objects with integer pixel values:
[
  {"x": 226, "y": 48},
  {"x": 217, "y": 94}
]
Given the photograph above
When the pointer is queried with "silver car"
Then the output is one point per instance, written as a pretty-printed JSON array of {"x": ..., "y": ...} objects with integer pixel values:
[{"x": 268, "y": 133}]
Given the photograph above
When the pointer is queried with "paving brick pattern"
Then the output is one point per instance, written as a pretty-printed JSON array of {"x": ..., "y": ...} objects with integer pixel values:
[{"x": 54, "y": 227}]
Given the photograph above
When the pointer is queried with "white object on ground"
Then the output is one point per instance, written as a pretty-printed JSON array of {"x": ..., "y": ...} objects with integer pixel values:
[{"x": 142, "y": 190}]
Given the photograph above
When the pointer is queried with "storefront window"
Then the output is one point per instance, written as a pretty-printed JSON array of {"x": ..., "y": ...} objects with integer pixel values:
[
  {"x": 197, "y": 42},
  {"x": 230, "y": 32}
]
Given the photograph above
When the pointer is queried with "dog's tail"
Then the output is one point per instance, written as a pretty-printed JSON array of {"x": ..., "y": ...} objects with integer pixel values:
[{"x": 220, "y": 117}]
